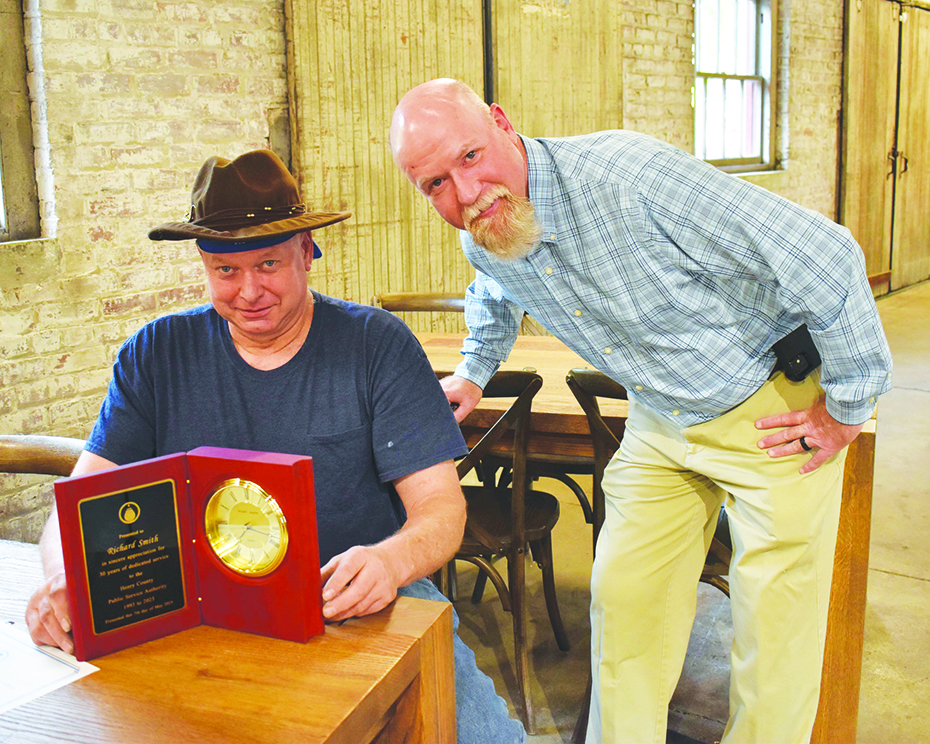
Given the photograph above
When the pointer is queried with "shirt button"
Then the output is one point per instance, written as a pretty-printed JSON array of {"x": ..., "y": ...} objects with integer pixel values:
[
  {"x": 639, "y": 387},
  {"x": 675, "y": 412},
  {"x": 551, "y": 236},
  {"x": 578, "y": 313},
  {"x": 872, "y": 399},
  {"x": 608, "y": 350},
  {"x": 549, "y": 270}
]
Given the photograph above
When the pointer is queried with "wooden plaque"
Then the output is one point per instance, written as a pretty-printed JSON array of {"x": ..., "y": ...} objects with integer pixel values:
[{"x": 216, "y": 536}]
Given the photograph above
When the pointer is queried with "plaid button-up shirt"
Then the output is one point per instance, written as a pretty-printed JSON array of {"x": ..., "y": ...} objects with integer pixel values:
[{"x": 675, "y": 279}]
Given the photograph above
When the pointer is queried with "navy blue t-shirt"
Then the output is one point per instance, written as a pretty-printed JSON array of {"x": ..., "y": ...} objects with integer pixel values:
[{"x": 359, "y": 397}]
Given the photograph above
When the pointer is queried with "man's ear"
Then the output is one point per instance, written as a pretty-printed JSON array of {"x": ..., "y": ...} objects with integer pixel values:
[
  {"x": 306, "y": 245},
  {"x": 501, "y": 120}
]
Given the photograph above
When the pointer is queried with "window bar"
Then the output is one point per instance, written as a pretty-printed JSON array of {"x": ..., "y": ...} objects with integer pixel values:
[
  {"x": 704, "y": 94},
  {"x": 763, "y": 85}
]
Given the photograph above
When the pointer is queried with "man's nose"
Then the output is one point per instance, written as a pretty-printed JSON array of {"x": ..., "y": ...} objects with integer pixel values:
[
  {"x": 467, "y": 187},
  {"x": 250, "y": 288}
]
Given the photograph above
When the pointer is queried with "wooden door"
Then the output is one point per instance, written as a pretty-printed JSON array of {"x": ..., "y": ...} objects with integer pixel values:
[
  {"x": 870, "y": 84},
  {"x": 910, "y": 259}
]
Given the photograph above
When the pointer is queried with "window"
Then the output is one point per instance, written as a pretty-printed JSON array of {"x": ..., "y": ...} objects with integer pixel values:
[
  {"x": 19, "y": 210},
  {"x": 734, "y": 85}
]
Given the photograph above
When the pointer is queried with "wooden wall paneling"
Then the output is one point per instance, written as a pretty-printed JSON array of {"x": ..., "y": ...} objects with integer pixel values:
[
  {"x": 871, "y": 51},
  {"x": 911, "y": 241},
  {"x": 559, "y": 66},
  {"x": 349, "y": 62}
]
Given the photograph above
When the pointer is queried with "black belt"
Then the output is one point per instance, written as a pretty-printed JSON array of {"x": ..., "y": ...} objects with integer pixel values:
[{"x": 796, "y": 354}]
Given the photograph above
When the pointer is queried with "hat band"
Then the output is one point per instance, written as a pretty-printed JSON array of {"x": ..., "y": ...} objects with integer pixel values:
[
  {"x": 235, "y": 219},
  {"x": 216, "y": 246}
]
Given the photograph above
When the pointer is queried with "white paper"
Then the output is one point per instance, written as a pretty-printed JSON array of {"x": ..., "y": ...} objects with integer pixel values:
[{"x": 28, "y": 671}]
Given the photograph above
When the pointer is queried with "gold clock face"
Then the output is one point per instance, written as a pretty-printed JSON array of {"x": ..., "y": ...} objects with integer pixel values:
[{"x": 246, "y": 528}]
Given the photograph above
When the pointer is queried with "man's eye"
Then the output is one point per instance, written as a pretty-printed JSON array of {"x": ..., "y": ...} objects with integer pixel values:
[
  {"x": 225, "y": 269},
  {"x": 269, "y": 263},
  {"x": 435, "y": 184},
  {"x": 471, "y": 154}
]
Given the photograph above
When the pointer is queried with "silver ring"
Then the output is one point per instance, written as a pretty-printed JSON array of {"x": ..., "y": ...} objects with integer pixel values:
[{"x": 804, "y": 444}]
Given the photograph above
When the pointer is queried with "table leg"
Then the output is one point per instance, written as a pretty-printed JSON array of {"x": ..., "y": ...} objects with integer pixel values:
[{"x": 842, "y": 663}]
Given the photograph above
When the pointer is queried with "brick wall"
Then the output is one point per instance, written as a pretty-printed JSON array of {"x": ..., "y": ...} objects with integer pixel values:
[
  {"x": 815, "y": 93},
  {"x": 658, "y": 70},
  {"x": 137, "y": 95}
]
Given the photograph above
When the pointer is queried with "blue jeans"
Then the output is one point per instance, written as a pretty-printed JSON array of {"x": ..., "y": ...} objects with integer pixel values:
[{"x": 481, "y": 715}]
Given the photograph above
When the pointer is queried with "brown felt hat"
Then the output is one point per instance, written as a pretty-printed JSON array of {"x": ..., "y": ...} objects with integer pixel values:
[{"x": 250, "y": 199}]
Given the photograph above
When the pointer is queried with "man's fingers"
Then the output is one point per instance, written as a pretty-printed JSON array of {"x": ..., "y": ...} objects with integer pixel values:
[
  {"x": 345, "y": 567},
  {"x": 792, "y": 418},
  {"x": 787, "y": 437},
  {"x": 355, "y": 594},
  {"x": 52, "y": 627},
  {"x": 48, "y": 617},
  {"x": 372, "y": 602},
  {"x": 819, "y": 458}
]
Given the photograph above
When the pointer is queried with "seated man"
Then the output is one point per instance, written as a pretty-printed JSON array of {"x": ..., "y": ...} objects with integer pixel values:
[{"x": 271, "y": 365}]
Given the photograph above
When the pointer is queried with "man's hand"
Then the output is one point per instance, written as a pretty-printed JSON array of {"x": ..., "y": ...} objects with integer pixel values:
[
  {"x": 823, "y": 434},
  {"x": 464, "y": 393},
  {"x": 357, "y": 582},
  {"x": 47, "y": 615}
]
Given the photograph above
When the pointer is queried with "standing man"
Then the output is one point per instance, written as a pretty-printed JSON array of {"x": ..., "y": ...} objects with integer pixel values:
[
  {"x": 676, "y": 280},
  {"x": 271, "y": 365}
]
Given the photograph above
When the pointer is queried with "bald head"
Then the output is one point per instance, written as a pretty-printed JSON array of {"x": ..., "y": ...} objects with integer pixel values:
[
  {"x": 431, "y": 107},
  {"x": 460, "y": 153}
]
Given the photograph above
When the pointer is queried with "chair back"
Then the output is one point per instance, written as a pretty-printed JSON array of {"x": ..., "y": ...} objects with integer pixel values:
[
  {"x": 400, "y": 302},
  {"x": 587, "y": 385},
  {"x": 523, "y": 386},
  {"x": 40, "y": 454}
]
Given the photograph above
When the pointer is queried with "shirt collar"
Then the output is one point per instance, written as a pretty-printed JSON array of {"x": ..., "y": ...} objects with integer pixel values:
[{"x": 541, "y": 184}]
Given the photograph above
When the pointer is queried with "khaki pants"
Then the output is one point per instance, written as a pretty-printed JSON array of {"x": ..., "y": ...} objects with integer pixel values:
[{"x": 663, "y": 491}]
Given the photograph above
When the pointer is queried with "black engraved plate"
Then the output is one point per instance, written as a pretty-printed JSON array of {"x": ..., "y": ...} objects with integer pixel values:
[{"x": 132, "y": 556}]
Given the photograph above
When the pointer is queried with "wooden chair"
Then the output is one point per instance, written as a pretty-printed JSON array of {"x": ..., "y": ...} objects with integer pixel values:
[
  {"x": 541, "y": 465},
  {"x": 39, "y": 454},
  {"x": 587, "y": 386},
  {"x": 402, "y": 302},
  {"x": 502, "y": 521}
]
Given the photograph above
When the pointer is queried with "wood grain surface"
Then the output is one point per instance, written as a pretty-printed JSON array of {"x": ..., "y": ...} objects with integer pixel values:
[{"x": 211, "y": 685}]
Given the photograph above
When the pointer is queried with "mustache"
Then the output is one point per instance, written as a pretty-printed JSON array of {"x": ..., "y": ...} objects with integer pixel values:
[
  {"x": 511, "y": 232},
  {"x": 473, "y": 211}
]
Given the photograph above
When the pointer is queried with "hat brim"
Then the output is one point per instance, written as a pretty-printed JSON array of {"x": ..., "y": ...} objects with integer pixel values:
[{"x": 192, "y": 231}]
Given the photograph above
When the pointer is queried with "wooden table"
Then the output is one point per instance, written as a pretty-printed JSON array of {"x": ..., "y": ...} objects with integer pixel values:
[
  {"x": 385, "y": 678},
  {"x": 559, "y": 426}
]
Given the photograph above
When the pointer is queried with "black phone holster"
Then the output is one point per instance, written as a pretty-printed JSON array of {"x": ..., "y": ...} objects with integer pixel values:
[{"x": 796, "y": 354}]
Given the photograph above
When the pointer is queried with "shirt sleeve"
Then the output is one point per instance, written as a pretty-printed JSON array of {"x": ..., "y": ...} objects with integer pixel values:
[
  {"x": 493, "y": 322},
  {"x": 125, "y": 428},
  {"x": 738, "y": 231},
  {"x": 413, "y": 426}
]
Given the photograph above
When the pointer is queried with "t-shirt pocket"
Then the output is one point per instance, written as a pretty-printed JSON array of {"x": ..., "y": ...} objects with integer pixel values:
[
  {"x": 352, "y": 506},
  {"x": 343, "y": 469}
]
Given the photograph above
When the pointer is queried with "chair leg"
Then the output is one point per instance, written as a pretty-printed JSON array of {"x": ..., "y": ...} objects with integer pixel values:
[
  {"x": 516, "y": 568},
  {"x": 578, "y": 491},
  {"x": 488, "y": 474},
  {"x": 581, "y": 725},
  {"x": 453, "y": 579},
  {"x": 598, "y": 508},
  {"x": 478, "y": 591},
  {"x": 492, "y": 573},
  {"x": 542, "y": 551},
  {"x": 441, "y": 578}
]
